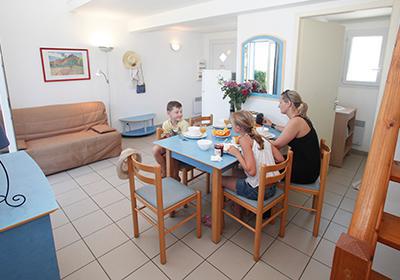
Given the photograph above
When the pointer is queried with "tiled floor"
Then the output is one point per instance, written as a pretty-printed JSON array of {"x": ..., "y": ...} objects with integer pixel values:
[{"x": 94, "y": 238}]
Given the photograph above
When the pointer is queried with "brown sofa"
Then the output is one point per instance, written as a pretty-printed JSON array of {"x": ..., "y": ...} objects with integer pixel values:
[{"x": 60, "y": 137}]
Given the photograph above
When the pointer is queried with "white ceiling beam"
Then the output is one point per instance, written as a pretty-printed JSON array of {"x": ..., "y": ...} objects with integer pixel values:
[
  {"x": 207, "y": 10},
  {"x": 75, "y": 4}
]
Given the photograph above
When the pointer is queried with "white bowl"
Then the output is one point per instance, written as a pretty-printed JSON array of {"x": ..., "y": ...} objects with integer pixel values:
[{"x": 204, "y": 144}]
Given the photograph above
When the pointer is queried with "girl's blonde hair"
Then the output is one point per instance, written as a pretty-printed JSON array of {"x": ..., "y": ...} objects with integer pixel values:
[
  {"x": 247, "y": 123},
  {"x": 295, "y": 98}
]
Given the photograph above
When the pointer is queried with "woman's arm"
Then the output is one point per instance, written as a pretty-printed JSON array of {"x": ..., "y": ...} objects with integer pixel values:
[
  {"x": 288, "y": 134},
  {"x": 277, "y": 154},
  {"x": 247, "y": 160},
  {"x": 276, "y": 126}
]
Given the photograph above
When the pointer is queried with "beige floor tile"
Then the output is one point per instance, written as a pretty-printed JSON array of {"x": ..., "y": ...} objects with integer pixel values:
[
  {"x": 90, "y": 271},
  {"x": 206, "y": 271},
  {"x": 344, "y": 180},
  {"x": 230, "y": 227},
  {"x": 88, "y": 178},
  {"x": 65, "y": 235},
  {"x": 102, "y": 164},
  {"x": 342, "y": 217},
  {"x": 203, "y": 246},
  {"x": 301, "y": 239},
  {"x": 324, "y": 252},
  {"x": 73, "y": 257},
  {"x": 182, "y": 230},
  {"x": 386, "y": 261},
  {"x": 148, "y": 271},
  {"x": 114, "y": 180},
  {"x": 119, "y": 210},
  {"x": 262, "y": 270},
  {"x": 305, "y": 219},
  {"x": 337, "y": 171},
  {"x": 58, "y": 178},
  {"x": 114, "y": 160},
  {"x": 334, "y": 231},
  {"x": 126, "y": 224},
  {"x": 64, "y": 186},
  {"x": 97, "y": 187},
  {"x": 125, "y": 190},
  {"x": 80, "y": 209},
  {"x": 297, "y": 197},
  {"x": 348, "y": 204},
  {"x": 79, "y": 171},
  {"x": 332, "y": 198},
  {"x": 58, "y": 219},
  {"x": 123, "y": 260},
  {"x": 148, "y": 241},
  {"x": 272, "y": 230},
  {"x": 328, "y": 211},
  {"x": 279, "y": 255},
  {"x": 71, "y": 197},
  {"x": 352, "y": 193},
  {"x": 245, "y": 239},
  {"x": 232, "y": 260},
  {"x": 316, "y": 271},
  {"x": 92, "y": 223},
  {"x": 181, "y": 260},
  {"x": 108, "y": 197},
  {"x": 105, "y": 240},
  {"x": 336, "y": 188}
]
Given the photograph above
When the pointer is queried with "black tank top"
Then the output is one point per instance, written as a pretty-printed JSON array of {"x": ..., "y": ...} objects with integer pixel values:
[{"x": 306, "y": 156}]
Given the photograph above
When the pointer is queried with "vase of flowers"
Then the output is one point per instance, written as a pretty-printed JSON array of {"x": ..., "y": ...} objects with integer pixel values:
[{"x": 238, "y": 92}]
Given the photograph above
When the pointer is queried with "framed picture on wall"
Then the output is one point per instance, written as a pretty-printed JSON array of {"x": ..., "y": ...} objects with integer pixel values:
[{"x": 61, "y": 64}]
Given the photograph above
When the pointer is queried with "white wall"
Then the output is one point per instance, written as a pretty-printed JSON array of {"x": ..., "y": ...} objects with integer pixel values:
[
  {"x": 363, "y": 98},
  {"x": 25, "y": 26},
  {"x": 283, "y": 23}
]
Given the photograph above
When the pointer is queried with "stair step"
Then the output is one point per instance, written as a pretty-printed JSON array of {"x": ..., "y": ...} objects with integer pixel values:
[
  {"x": 377, "y": 276},
  {"x": 389, "y": 230},
  {"x": 395, "y": 174}
]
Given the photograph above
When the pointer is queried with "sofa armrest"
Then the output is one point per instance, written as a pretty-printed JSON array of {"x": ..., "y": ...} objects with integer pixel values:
[{"x": 102, "y": 128}]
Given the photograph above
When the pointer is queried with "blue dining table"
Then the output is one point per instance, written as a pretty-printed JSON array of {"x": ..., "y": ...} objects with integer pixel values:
[{"x": 187, "y": 151}]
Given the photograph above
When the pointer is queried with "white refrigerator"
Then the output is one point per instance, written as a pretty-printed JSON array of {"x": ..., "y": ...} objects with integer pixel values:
[{"x": 212, "y": 102}]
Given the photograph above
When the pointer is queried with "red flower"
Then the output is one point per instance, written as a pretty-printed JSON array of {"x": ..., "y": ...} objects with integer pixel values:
[{"x": 245, "y": 92}]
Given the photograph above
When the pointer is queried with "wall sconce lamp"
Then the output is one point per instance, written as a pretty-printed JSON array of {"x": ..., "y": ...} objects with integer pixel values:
[
  {"x": 100, "y": 73},
  {"x": 106, "y": 49},
  {"x": 175, "y": 45}
]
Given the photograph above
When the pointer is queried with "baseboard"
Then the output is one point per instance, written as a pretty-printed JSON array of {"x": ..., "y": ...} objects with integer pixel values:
[{"x": 358, "y": 152}]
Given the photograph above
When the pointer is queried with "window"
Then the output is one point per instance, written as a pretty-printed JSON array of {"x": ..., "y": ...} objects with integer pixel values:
[{"x": 364, "y": 55}]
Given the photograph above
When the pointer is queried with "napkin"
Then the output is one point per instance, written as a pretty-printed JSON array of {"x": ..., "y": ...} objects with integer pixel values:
[{"x": 216, "y": 158}]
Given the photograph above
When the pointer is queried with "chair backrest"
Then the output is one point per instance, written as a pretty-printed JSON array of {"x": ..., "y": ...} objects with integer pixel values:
[
  {"x": 136, "y": 168},
  {"x": 159, "y": 133},
  {"x": 203, "y": 120},
  {"x": 285, "y": 169},
  {"x": 325, "y": 155}
]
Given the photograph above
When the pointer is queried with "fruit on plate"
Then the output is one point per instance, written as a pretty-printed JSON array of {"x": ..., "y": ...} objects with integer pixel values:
[{"x": 221, "y": 132}]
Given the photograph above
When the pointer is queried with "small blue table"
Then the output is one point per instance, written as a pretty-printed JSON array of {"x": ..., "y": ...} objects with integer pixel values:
[
  {"x": 27, "y": 248},
  {"x": 187, "y": 151},
  {"x": 128, "y": 124}
]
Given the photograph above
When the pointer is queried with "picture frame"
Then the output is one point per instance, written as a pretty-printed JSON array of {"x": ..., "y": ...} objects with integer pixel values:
[{"x": 63, "y": 64}]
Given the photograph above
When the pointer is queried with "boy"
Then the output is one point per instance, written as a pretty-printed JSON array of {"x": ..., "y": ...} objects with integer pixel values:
[{"x": 173, "y": 126}]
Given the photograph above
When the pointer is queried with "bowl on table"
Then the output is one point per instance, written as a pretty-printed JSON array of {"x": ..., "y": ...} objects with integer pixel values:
[{"x": 204, "y": 144}]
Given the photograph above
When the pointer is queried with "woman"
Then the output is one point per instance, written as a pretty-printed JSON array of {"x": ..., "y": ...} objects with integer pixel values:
[{"x": 300, "y": 135}]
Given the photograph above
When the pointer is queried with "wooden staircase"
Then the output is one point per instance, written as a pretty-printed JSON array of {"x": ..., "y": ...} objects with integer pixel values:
[{"x": 355, "y": 249}]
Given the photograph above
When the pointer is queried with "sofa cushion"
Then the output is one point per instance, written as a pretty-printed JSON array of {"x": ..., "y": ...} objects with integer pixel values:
[
  {"x": 102, "y": 128},
  {"x": 67, "y": 151}
]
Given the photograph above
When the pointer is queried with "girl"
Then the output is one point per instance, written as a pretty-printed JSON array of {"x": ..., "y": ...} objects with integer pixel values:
[{"x": 256, "y": 151}]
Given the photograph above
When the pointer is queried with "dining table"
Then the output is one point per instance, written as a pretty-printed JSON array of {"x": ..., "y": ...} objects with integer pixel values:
[{"x": 187, "y": 151}]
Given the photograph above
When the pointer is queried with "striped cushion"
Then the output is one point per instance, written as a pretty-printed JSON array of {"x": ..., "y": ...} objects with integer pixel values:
[
  {"x": 172, "y": 190},
  {"x": 278, "y": 194}
]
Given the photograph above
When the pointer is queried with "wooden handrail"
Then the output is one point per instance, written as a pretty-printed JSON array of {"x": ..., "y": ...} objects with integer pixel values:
[{"x": 375, "y": 181}]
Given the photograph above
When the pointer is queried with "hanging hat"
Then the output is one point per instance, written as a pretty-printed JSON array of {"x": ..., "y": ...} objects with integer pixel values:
[{"x": 130, "y": 59}]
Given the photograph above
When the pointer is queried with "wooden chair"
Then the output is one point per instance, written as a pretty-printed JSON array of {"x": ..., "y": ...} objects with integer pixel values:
[
  {"x": 260, "y": 206},
  {"x": 185, "y": 168},
  {"x": 162, "y": 196},
  {"x": 203, "y": 120},
  {"x": 317, "y": 189}
]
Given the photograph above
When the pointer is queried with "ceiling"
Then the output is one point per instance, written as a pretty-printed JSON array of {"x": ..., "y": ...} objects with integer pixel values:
[
  {"x": 216, "y": 24},
  {"x": 123, "y": 9},
  {"x": 356, "y": 15}
]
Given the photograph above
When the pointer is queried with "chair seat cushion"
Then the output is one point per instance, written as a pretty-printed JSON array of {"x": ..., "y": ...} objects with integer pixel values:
[
  {"x": 314, "y": 186},
  {"x": 253, "y": 203},
  {"x": 172, "y": 190}
]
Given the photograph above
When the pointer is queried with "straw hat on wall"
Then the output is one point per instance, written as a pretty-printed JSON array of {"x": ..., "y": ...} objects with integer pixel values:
[{"x": 131, "y": 59}]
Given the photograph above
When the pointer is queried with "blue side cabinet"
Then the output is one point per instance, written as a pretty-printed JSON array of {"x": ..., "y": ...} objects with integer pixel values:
[{"x": 27, "y": 248}]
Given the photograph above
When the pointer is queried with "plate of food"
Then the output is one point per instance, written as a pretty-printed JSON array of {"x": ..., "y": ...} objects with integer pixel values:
[
  {"x": 190, "y": 135},
  {"x": 221, "y": 133}
]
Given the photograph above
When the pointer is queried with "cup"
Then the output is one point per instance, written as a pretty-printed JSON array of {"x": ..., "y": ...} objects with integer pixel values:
[{"x": 236, "y": 139}]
